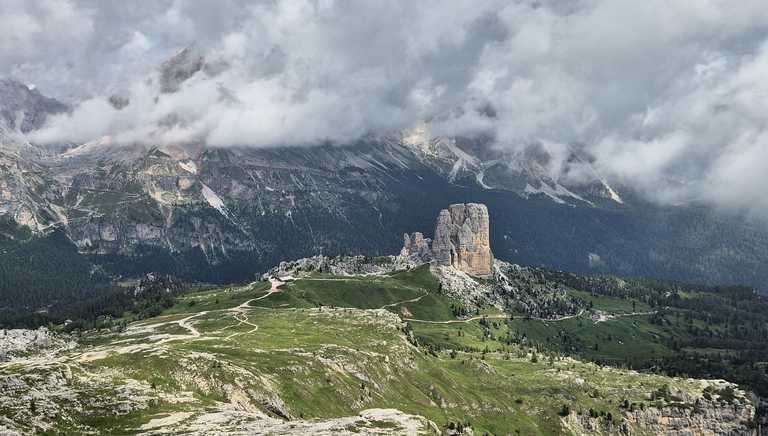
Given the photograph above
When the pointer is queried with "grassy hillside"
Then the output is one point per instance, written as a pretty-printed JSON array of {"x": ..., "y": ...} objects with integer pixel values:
[{"x": 253, "y": 360}]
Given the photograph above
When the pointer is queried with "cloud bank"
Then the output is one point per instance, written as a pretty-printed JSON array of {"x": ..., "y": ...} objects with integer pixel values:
[{"x": 667, "y": 97}]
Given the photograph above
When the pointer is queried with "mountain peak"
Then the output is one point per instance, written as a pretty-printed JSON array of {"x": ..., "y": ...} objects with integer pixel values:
[
  {"x": 23, "y": 108},
  {"x": 180, "y": 67}
]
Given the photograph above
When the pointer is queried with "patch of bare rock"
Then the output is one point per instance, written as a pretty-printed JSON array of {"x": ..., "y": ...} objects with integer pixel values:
[
  {"x": 21, "y": 342},
  {"x": 230, "y": 421}
]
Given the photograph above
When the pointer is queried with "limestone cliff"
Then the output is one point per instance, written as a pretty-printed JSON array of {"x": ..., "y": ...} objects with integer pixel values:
[
  {"x": 706, "y": 419},
  {"x": 720, "y": 409}
]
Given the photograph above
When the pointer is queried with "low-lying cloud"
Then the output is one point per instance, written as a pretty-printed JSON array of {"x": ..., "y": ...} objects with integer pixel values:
[{"x": 667, "y": 97}]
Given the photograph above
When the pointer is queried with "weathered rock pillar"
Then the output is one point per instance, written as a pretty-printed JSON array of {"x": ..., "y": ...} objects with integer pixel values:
[{"x": 462, "y": 239}]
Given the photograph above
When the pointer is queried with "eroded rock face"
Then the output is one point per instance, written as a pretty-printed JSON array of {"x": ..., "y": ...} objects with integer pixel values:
[
  {"x": 340, "y": 266},
  {"x": 709, "y": 418},
  {"x": 416, "y": 246},
  {"x": 24, "y": 108},
  {"x": 462, "y": 239},
  {"x": 705, "y": 419},
  {"x": 179, "y": 68}
]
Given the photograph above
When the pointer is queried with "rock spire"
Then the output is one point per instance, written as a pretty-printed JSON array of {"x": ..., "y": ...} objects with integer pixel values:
[{"x": 461, "y": 240}]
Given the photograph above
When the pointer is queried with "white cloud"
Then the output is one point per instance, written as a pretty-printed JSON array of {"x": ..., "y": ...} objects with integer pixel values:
[
  {"x": 668, "y": 97},
  {"x": 137, "y": 46},
  {"x": 32, "y": 30}
]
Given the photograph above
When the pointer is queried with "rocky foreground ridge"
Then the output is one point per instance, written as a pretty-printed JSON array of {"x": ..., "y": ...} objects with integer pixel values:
[
  {"x": 234, "y": 371},
  {"x": 695, "y": 416}
]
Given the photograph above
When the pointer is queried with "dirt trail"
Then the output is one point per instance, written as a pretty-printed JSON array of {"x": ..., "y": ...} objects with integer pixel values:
[
  {"x": 354, "y": 278},
  {"x": 185, "y": 324},
  {"x": 243, "y": 319},
  {"x": 276, "y": 283},
  {"x": 239, "y": 311},
  {"x": 412, "y": 300}
]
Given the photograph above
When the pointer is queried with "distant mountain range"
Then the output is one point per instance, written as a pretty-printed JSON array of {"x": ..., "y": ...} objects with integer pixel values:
[{"x": 224, "y": 214}]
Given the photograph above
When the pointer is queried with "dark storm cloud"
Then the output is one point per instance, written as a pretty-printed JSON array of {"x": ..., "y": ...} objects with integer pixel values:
[{"x": 666, "y": 96}]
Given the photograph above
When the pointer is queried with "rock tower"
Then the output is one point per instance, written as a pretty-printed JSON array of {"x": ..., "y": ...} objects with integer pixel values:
[
  {"x": 461, "y": 240},
  {"x": 415, "y": 245}
]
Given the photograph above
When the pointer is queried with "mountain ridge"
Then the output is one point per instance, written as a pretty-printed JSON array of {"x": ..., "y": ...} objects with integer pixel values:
[{"x": 212, "y": 213}]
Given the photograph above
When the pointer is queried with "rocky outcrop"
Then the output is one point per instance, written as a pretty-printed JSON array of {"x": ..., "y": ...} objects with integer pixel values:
[
  {"x": 340, "y": 266},
  {"x": 462, "y": 239},
  {"x": 21, "y": 342},
  {"x": 512, "y": 288},
  {"x": 708, "y": 418},
  {"x": 416, "y": 246},
  {"x": 692, "y": 415},
  {"x": 24, "y": 108},
  {"x": 463, "y": 287},
  {"x": 461, "y": 242},
  {"x": 226, "y": 419},
  {"x": 179, "y": 68}
]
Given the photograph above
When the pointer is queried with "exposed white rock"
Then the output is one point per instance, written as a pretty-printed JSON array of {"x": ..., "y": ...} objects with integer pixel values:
[
  {"x": 228, "y": 420},
  {"x": 340, "y": 266},
  {"x": 214, "y": 200},
  {"x": 17, "y": 342},
  {"x": 189, "y": 166},
  {"x": 707, "y": 418},
  {"x": 460, "y": 285}
]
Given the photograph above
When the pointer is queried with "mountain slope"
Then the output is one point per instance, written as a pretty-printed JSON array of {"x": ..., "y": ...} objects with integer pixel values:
[
  {"x": 228, "y": 209},
  {"x": 43, "y": 278},
  {"x": 221, "y": 214},
  {"x": 24, "y": 109}
]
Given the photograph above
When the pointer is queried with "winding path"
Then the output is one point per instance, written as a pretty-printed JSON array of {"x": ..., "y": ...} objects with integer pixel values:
[
  {"x": 243, "y": 320},
  {"x": 185, "y": 324},
  {"x": 239, "y": 311},
  {"x": 412, "y": 300}
]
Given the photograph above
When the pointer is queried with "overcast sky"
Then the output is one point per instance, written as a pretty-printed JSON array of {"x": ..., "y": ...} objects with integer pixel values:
[{"x": 668, "y": 96}]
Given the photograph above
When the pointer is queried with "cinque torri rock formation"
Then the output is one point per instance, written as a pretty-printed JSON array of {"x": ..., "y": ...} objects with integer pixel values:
[{"x": 461, "y": 240}]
